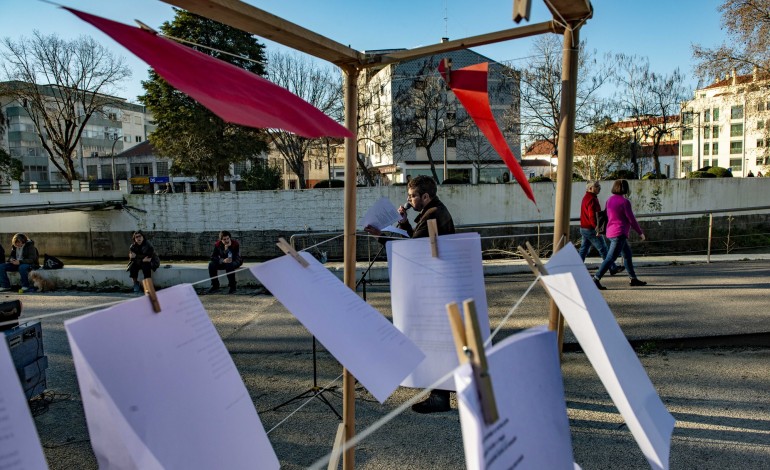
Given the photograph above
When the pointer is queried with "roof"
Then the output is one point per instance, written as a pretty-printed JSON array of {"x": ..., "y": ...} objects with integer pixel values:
[
  {"x": 540, "y": 147},
  {"x": 139, "y": 150}
]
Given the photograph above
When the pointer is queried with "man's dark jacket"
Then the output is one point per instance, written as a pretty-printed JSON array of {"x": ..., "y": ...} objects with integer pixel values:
[{"x": 435, "y": 209}]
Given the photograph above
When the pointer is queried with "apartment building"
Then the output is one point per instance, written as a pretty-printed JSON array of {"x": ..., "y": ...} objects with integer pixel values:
[
  {"x": 727, "y": 124},
  {"x": 467, "y": 155}
]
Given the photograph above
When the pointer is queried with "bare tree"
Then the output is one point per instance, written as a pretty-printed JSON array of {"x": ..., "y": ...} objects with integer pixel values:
[
  {"x": 319, "y": 86},
  {"x": 423, "y": 111},
  {"x": 76, "y": 79},
  {"x": 541, "y": 89},
  {"x": 747, "y": 23},
  {"x": 651, "y": 102},
  {"x": 602, "y": 151}
]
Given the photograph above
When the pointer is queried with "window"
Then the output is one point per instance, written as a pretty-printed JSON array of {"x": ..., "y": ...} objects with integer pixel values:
[
  {"x": 763, "y": 160},
  {"x": 736, "y": 112},
  {"x": 112, "y": 116},
  {"x": 239, "y": 168},
  {"x": 707, "y": 132},
  {"x": 127, "y": 138},
  {"x": 686, "y": 166},
  {"x": 687, "y": 150},
  {"x": 736, "y": 147},
  {"x": 760, "y": 143},
  {"x": 736, "y": 130},
  {"x": 760, "y": 125},
  {"x": 715, "y": 132},
  {"x": 91, "y": 171},
  {"x": 761, "y": 106},
  {"x": 161, "y": 168},
  {"x": 715, "y": 114},
  {"x": 735, "y": 164},
  {"x": 687, "y": 117},
  {"x": 138, "y": 138},
  {"x": 451, "y": 143},
  {"x": 707, "y": 115},
  {"x": 137, "y": 120},
  {"x": 715, "y": 148},
  {"x": 107, "y": 172},
  {"x": 687, "y": 133},
  {"x": 120, "y": 172},
  {"x": 141, "y": 170},
  {"x": 706, "y": 148}
]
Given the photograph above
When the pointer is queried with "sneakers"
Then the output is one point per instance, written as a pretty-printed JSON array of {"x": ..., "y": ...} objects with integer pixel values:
[
  {"x": 27, "y": 290},
  {"x": 213, "y": 290},
  {"x": 616, "y": 269},
  {"x": 437, "y": 402},
  {"x": 5, "y": 289},
  {"x": 137, "y": 288},
  {"x": 599, "y": 284},
  {"x": 637, "y": 282}
]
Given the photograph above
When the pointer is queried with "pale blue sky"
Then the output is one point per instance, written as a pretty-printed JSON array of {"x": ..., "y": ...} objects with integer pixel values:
[{"x": 662, "y": 30}]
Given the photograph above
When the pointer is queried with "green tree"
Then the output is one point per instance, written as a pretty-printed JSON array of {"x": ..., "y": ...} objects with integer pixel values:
[
  {"x": 262, "y": 175},
  {"x": 79, "y": 77},
  {"x": 601, "y": 151},
  {"x": 198, "y": 142}
]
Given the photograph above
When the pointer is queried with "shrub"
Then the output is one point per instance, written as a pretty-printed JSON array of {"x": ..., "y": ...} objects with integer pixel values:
[
  {"x": 654, "y": 176},
  {"x": 701, "y": 174},
  {"x": 329, "y": 184},
  {"x": 720, "y": 172},
  {"x": 705, "y": 168},
  {"x": 577, "y": 177},
  {"x": 621, "y": 175},
  {"x": 539, "y": 179}
]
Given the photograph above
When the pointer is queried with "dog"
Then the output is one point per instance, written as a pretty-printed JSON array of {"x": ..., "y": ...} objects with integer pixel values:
[{"x": 42, "y": 282}]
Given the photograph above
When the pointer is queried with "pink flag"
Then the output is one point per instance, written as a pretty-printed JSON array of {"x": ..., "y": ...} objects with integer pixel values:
[
  {"x": 469, "y": 84},
  {"x": 234, "y": 94}
]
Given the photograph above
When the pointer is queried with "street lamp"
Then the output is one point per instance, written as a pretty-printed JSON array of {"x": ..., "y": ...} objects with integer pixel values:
[{"x": 112, "y": 154}]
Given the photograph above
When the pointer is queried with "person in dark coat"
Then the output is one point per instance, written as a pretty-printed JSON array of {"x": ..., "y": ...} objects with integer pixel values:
[
  {"x": 23, "y": 258},
  {"x": 141, "y": 257},
  {"x": 226, "y": 256},
  {"x": 421, "y": 192}
]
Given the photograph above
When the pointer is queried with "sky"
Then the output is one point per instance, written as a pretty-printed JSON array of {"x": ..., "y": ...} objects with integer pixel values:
[{"x": 661, "y": 30}]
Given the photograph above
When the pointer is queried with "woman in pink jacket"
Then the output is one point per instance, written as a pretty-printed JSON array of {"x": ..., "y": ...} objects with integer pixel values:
[{"x": 620, "y": 221}]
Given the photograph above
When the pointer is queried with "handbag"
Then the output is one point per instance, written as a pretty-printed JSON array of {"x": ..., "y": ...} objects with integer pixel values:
[{"x": 601, "y": 222}]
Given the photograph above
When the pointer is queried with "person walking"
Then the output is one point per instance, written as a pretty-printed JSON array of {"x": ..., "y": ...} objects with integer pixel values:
[
  {"x": 226, "y": 256},
  {"x": 421, "y": 194},
  {"x": 589, "y": 225},
  {"x": 23, "y": 259},
  {"x": 142, "y": 257},
  {"x": 620, "y": 221}
]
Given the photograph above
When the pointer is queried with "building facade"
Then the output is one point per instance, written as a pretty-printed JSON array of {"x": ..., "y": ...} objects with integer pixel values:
[
  {"x": 727, "y": 124},
  {"x": 465, "y": 152}
]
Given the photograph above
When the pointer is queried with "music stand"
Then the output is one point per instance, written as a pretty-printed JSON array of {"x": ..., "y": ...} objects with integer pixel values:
[{"x": 314, "y": 391}]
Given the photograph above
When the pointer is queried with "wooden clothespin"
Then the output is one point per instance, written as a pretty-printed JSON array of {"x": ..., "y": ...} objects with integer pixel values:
[
  {"x": 149, "y": 291},
  {"x": 289, "y": 250},
  {"x": 533, "y": 260},
  {"x": 433, "y": 236},
  {"x": 146, "y": 27},
  {"x": 470, "y": 348}
]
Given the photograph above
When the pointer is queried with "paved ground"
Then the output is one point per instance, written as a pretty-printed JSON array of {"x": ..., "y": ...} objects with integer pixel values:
[{"x": 717, "y": 395}]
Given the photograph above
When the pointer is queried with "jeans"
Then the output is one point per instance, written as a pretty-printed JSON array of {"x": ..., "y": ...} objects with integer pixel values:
[
  {"x": 590, "y": 238},
  {"x": 139, "y": 265},
  {"x": 215, "y": 266},
  {"x": 618, "y": 246},
  {"x": 23, "y": 270}
]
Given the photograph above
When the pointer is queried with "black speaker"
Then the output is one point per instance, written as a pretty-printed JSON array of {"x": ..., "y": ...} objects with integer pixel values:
[{"x": 26, "y": 345}]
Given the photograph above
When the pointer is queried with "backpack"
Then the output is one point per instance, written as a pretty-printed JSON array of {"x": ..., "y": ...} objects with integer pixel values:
[{"x": 52, "y": 262}]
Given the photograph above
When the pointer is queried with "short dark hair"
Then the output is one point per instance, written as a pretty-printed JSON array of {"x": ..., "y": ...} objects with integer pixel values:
[
  {"x": 424, "y": 185},
  {"x": 224, "y": 233},
  {"x": 620, "y": 187}
]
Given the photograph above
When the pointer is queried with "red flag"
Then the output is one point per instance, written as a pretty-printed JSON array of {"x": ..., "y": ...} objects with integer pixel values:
[
  {"x": 469, "y": 84},
  {"x": 234, "y": 94}
]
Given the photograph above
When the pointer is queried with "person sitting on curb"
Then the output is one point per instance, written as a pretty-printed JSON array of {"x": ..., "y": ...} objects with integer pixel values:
[
  {"x": 226, "y": 255},
  {"x": 142, "y": 257},
  {"x": 23, "y": 258}
]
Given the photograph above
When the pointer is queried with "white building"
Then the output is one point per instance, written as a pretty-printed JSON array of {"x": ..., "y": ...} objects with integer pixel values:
[{"x": 726, "y": 125}]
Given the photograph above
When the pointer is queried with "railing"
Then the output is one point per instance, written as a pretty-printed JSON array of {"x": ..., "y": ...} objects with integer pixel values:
[{"x": 692, "y": 232}]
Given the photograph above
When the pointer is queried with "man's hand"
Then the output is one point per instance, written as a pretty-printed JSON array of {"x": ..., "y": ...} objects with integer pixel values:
[
  {"x": 131, "y": 254},
  {"x": 402, "y": 213},
  {"x": 15, "y": 262},
  {"x": 372, "y": 231},
  {"x": 227, "y": 260},
  {"x": 642, "y": 237},
  {"x": 147, "y": 259}
]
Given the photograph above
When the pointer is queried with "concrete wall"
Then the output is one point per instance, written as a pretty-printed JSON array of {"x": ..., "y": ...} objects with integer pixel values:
[{"x": 185, "y": 225}]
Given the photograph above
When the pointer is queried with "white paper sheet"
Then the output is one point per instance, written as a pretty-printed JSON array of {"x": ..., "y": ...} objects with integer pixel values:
[
  {"x": 161, "y": 390},
  {"x": 359, "y": 336},
  {"x": 605, "y": 345},
  {"x": 383, "y": 215},
  {"x": 533, "y": 429},
  {"x": 420, "y": 288},
  {"x": 20, "y": 447}
]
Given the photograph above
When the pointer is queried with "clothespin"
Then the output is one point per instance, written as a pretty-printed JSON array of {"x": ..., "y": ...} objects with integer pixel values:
[
  {"x": 289, "y": 250},
  {"x": 470, "y": 348},
  {"x": 145, "y": 27},
  {"x": 533, "y": 260},
  {"x": 446, "y": 65},
  {"x": 149, "y": 291},
  {"x": 432, "y": 235}
]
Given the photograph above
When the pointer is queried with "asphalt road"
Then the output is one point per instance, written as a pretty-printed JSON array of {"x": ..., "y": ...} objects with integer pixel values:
[{"x": 717, "y": 395}]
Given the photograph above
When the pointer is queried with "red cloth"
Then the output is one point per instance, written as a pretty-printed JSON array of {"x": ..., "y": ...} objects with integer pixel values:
[
  {"x": 588, "y": 209},
  {"x": 469, "y": 84},
  {"x": 234, "y": 94}
]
